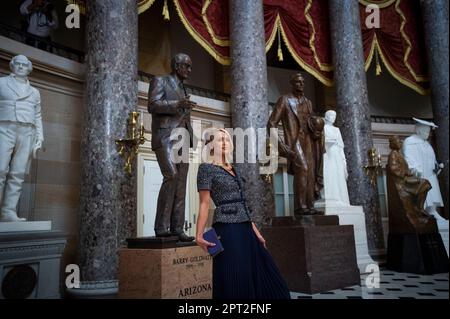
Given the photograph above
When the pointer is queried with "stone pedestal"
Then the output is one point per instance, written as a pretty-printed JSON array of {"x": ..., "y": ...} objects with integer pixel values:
[
  {"x": 417, "y": 253},
  {"x": 314, "y": 259},
  {"x": 30, "y": 264},
  {"x": 352, "y": 215},
  {"x": 169, "y": 273},
  {"x": 9, "y": 227}
]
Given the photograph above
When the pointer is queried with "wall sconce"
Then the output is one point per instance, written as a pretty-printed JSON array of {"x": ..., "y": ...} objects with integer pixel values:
[
  {"x": 373, "y": 168},
  {"x": 268, "y": 178},
  {"x": 128, "y": 147}
]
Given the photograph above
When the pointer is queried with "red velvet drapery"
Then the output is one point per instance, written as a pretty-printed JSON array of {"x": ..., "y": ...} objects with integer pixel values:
[
  {"x": 303, "y": 26},
  {"x": 398, "y": 43}
]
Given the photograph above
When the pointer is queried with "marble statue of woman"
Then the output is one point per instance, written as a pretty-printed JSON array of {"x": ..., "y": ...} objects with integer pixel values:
[
  {"x": 334, "y": 164},
  {"x": 335, "y": 199}
]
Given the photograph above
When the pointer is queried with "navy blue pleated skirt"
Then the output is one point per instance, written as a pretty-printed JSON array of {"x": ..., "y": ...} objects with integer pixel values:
[{"x": 245, "y": 269}]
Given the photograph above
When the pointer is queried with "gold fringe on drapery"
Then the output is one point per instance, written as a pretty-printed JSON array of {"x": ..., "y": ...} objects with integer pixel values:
[
  {"x": 280, "y": 52},
  {"x": 377, "y": 61},
  {"x": 165, "y": 11}
]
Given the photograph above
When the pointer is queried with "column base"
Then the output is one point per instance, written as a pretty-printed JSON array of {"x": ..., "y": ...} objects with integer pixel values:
[{"x": 106, "y": 289}]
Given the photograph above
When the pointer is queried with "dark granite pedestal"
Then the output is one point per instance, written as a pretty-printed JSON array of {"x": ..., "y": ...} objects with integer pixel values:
[
  {"x": 313, "y": 258},
  {"x": 153, "y": 242},
  {"x": 417, "y": 253}
]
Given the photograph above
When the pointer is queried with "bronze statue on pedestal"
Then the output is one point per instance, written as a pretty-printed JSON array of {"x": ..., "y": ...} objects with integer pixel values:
[
  {"x": 406, "y": 195},
  {"x": 171, "y": 107},
  {"x": 303, "y": 145}
]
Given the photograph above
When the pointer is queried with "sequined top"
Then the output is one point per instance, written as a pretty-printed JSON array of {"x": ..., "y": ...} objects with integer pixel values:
[{"x": 226, "y": 192}]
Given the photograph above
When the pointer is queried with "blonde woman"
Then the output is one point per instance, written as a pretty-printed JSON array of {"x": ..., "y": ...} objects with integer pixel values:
[{"x": 245, "y": 269}]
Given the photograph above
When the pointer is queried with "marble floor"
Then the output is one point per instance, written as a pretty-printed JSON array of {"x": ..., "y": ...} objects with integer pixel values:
[{"x": 393, "y": 285}]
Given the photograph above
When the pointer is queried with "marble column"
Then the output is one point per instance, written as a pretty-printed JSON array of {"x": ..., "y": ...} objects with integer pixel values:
[
  {"x": 435, "y": 18},
  {"x": 249, "y": 105},
  {"x": 108, "y": 193},
  {"x": 352, "y": 106}
]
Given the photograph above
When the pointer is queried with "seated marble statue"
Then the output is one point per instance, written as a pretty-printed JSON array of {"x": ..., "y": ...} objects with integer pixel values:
[
  {"x": 334, "y": 164},
  {"x": 421, "y": 159},
  {"x": 406, "y": 195}
]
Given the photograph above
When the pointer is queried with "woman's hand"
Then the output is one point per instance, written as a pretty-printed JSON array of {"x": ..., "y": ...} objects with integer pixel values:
[
  {"x": 262, "y": 241},
  {"x": 203, "y": 243},
  {"x": 258, "y": 235}
]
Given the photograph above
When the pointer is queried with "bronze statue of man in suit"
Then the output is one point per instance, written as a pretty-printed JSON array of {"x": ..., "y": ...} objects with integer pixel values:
[
  {"x": 303, "y": 145},
  {"x": 170, "y": 108}
]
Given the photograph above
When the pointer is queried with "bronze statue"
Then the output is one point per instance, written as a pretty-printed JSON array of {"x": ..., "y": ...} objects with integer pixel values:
[
  {"x": 170, "y": 108},
  {"x": 303, "y": 145},
  {"x": 406, "y": 195}
]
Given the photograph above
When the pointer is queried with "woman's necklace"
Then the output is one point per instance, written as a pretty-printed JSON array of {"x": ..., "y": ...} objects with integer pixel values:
[{"x": 226, "y": 166}]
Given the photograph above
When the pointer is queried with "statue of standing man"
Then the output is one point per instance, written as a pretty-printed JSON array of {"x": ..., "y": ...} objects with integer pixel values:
[
  {"x": 171, "y": 109},
  {"x": 21, "y": 133},
  {"x": 303, "y": 145}
]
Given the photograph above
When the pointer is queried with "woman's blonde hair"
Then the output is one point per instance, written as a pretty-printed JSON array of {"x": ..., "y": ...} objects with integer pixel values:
[{"x": 211, "y": 134}]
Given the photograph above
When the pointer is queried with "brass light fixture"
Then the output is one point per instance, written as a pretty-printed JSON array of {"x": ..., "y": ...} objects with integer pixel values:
[
  {"x": 128, "y": 147},
  {"x": 373, "y": 168}
]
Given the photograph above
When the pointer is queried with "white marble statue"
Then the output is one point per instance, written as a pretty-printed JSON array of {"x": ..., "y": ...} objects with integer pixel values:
[
  {"x": 334, "y": 164},
  {"x": 21, "y": 134},
  {"x": 422, "y": 162},
  {"x": 335, "y": 199},
  {"x": 421, "y": 159}
]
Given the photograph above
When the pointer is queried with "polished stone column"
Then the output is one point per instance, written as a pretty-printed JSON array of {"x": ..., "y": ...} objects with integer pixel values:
[
  {"x": 249, "y": 105},
  {"x": 435, "y": 18},
  {"x": 108, "y": 193},
  {"x": 352, "y": 106}
]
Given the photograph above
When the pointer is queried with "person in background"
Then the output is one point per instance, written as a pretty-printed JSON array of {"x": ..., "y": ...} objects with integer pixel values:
[{"x": 42, "y": 20}]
